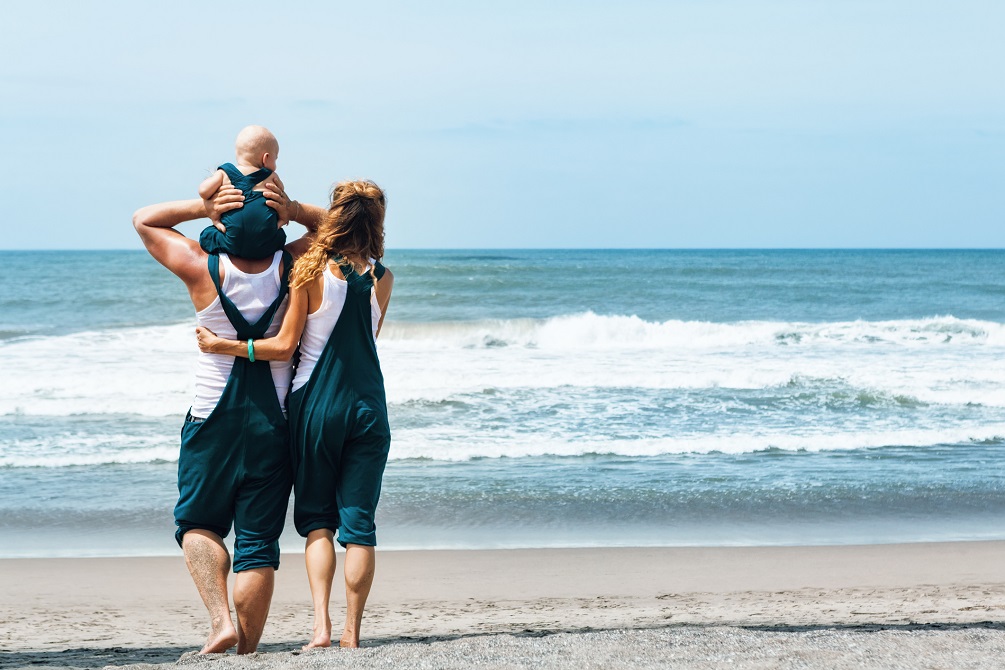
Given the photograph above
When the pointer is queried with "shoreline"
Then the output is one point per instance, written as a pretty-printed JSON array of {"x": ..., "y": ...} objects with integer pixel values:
[
  {"x": 296, "y": 548},
  {"x": 100, "y": 611}
]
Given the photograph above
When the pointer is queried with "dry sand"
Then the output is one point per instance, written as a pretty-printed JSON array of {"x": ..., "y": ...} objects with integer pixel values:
[{"x": 939, "y": 605}]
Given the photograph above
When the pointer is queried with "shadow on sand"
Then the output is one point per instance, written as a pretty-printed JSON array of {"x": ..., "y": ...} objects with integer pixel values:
[
  {"x": 121, "y": 656},
  {"x": 89, "y": 657}
]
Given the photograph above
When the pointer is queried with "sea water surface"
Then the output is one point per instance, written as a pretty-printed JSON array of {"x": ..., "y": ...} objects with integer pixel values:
[{"x": 553, "y": 398}]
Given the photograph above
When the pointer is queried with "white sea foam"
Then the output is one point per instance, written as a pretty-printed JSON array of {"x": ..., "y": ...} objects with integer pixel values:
[
  {"x": 953, "y": 369},
  {"x": 145, "y": 371},
  {"x": 593, "y": 331},
  {"x": 442, "y": 445},
  {"x": 148, "y": 371},
  {"x": 43, "y": 459},
  {"x": 80, "y": 447},
  {"x": 445, "y": 444}
]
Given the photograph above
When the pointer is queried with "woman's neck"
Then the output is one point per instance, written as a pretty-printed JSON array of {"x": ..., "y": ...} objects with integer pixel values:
[{"x": 355, "y": 261}]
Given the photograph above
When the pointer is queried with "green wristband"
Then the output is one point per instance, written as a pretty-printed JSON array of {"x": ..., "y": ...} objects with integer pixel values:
[{"x": 251, "y": 350}]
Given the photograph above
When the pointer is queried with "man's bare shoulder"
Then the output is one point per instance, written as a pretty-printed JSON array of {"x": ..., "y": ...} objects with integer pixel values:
[{"x": 189, "y": 262}]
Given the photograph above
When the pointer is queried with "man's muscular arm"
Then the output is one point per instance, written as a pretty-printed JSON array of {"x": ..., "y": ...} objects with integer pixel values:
[
  {"x": 308, "y": 216},
  {"x": 155, "y": 225},
  {"x": 182, "y": 256}
]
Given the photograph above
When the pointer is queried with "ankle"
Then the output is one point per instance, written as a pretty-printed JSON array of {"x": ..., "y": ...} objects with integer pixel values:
[{"x": 220, "y": 622}]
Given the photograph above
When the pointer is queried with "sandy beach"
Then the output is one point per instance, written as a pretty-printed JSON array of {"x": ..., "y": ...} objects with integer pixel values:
[{"x": 907, "y": 605}]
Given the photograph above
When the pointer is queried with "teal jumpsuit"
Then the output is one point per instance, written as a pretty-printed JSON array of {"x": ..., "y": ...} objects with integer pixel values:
[
  {"x": 338, "y": 426},
  {"x": 234, "y": 466},
  {"x": 253, "y": 230}
]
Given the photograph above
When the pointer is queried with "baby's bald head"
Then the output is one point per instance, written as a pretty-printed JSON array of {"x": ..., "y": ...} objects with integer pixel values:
[{"x": 257, "y": 146}]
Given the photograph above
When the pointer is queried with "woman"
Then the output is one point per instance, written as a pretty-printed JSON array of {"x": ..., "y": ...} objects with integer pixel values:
[{"x": 340, "y": 437}]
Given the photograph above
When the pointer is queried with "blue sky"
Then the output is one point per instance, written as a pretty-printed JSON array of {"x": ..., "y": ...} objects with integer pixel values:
[{"x": 522, "y": 124}]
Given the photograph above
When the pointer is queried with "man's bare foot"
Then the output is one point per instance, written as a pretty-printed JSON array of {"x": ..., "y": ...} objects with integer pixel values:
[
  {"x": 348, "y": 642},
  {"x": 222, "y": 637}
]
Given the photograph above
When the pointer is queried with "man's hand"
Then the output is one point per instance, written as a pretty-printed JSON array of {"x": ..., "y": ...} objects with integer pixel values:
[
  {"x": 276, "y": 198},
  {"x": 224, "y": 200},
  {"x": 206, "y": 339}
]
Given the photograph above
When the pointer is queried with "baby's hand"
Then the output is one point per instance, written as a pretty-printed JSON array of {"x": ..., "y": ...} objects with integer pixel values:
[{"x": 206, "y": 339}]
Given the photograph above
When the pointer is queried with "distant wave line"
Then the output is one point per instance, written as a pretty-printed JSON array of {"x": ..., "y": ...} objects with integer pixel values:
[
  {"x": 413, "y": 445},
  {"x": 590, "y": 330}
]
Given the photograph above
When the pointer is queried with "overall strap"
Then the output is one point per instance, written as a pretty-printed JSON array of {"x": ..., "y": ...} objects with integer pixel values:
[
  {"x": 245, "y": 181},
  {"x": 359, "y": 283},
  {"x": 232, "y": 172},
  {"x": 261, "y": 174},
  {"x": 347, "y": 269},
  {"x": 284, "y": 288},
  {"x": 244, "y": 329},
  {"x": 378, "y": 270}
]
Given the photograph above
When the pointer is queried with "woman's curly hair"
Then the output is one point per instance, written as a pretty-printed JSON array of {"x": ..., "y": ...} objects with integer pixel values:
[{"x": 352, "y": 229}]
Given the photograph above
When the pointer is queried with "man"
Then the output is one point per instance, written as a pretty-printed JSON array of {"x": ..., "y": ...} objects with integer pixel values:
[{"x": 233, "y": 466}]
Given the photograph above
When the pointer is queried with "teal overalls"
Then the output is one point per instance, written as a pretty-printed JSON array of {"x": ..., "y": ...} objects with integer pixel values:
[
  {"x": 234, "y": 466},
  {"x": 338, "y": 426},
  {"x": 253, "y": 230}
]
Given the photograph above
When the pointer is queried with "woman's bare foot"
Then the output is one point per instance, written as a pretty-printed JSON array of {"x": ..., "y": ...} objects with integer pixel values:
[
  {"x": 221, "y": 638},
  {"x": 322, "y": 636}
]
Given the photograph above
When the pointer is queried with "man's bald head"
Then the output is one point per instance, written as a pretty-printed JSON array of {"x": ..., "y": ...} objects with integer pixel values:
[{"x": 252, "y": 145}]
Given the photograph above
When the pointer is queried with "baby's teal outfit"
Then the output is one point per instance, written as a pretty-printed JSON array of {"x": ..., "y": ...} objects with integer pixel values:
[{"x": 253, "y": 231}]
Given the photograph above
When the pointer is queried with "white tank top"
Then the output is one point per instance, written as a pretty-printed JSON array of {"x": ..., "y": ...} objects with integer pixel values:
[
  {"x": 321, "y": 323},
  {"x": 251, "y": 294}
]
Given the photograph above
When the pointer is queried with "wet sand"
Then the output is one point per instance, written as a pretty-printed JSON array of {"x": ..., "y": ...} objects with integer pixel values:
[{"x": 907, "y": 605}]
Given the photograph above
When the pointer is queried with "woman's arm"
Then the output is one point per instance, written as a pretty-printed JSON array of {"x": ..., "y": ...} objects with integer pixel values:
[
  {"x": 384, "y": 287},
  {"x": 278, "y": 348}
]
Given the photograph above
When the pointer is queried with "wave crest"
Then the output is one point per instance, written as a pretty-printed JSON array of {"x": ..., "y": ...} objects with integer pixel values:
[
  {"x": 419, "y": 445},
  {"x": 589, "y": 330}
]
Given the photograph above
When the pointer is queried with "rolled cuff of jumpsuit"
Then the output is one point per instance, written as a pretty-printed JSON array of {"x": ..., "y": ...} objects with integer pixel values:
[
  {"x": 183, "y": 528},
  {"x": 318, "y": 524},
  {"x": 249, "y": 556},
  {"x": 346, "y": 537}
]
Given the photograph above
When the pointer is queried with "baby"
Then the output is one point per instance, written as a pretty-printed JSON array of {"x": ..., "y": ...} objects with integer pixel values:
[{"x": 253, "y": 230}]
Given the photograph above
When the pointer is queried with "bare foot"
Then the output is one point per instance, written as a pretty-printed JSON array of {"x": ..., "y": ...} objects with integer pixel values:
[
  {"x": 321, "y": 639},
  {"x": 221, "y": 638},
  {"x": 322, "y": 636},
  {"x": 348, "y": 642}
]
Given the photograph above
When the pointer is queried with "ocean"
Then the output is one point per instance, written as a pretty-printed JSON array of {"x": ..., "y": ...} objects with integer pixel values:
[{"x": 553, "y": 398}]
